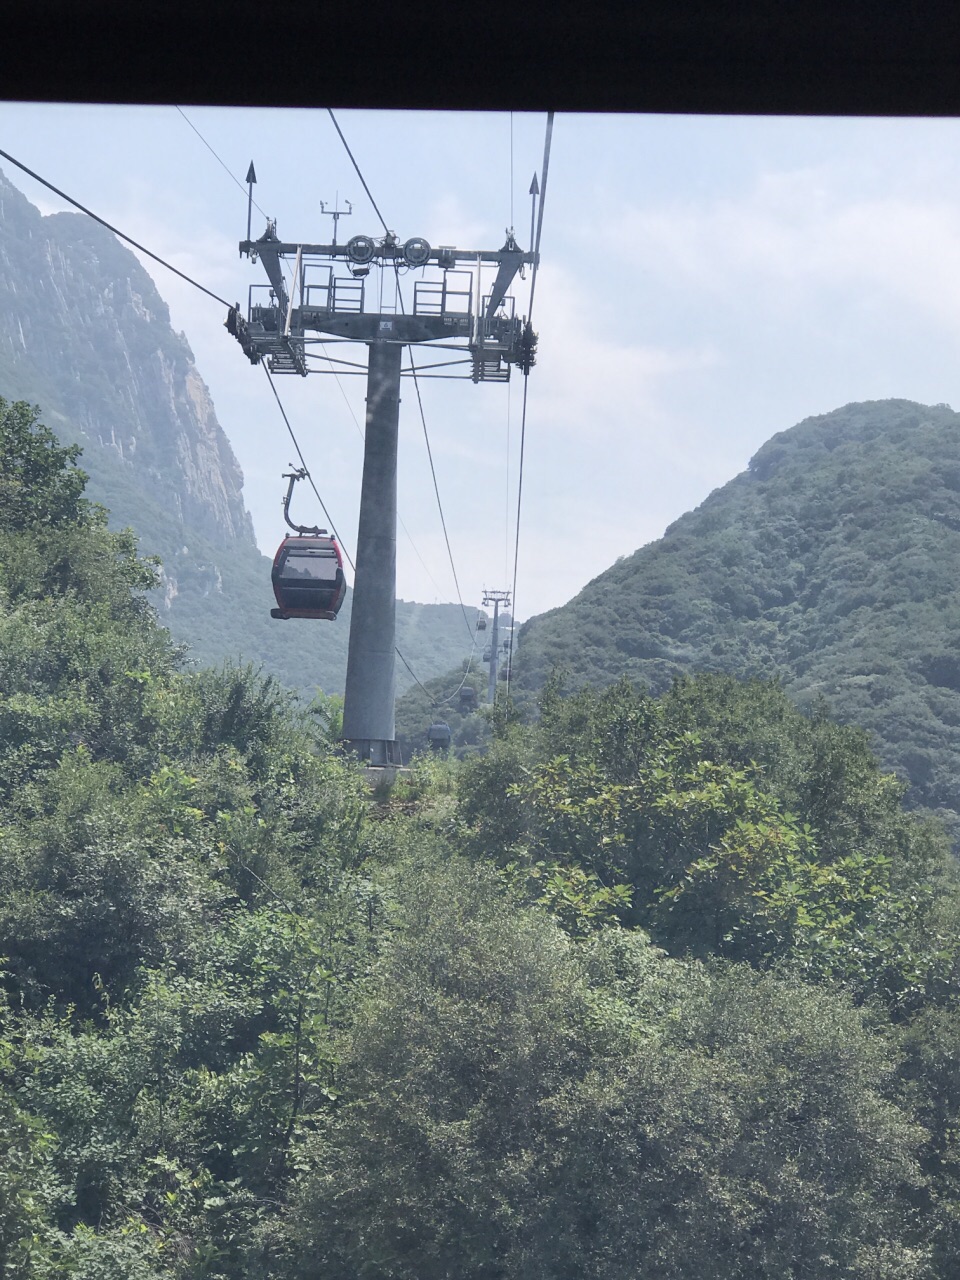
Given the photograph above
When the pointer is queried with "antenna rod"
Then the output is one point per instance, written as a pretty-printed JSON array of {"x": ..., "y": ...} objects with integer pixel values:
[
  {"x": 534, "y": 192},
  {"x": 251, "y": 179},
  {"x": 336, "y": 213}
]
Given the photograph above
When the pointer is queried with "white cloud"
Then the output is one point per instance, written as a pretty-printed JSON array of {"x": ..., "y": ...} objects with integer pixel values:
[{"x": 794, "y": 236}]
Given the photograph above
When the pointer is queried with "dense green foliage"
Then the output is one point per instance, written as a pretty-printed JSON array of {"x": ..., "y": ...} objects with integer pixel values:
[
  {"x": 656, "y": 986},
  {"x": 833, "y": 564},
  {"x": 438, "y": 700}
]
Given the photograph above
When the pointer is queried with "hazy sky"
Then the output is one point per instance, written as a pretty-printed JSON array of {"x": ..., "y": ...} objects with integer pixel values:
[{"x": 705, "y": 282}]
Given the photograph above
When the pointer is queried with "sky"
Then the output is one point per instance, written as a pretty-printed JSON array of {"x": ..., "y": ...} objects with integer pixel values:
[{"x": 705, "y": 282}]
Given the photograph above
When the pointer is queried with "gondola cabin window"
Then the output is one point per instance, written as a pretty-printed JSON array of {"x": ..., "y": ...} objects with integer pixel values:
[{"x": 318, "y": 566}]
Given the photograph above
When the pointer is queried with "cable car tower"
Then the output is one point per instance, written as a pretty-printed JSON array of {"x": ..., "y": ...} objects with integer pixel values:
[
  {"x": 496, "y": 598},
  {"x": 350, "y": 293}
]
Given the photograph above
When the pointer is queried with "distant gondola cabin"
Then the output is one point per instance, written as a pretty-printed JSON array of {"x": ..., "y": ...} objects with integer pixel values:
[{"x": 307, "y": 577}]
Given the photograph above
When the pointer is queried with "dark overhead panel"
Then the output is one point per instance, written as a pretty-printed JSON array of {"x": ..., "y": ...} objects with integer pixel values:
[{"x": 856, "y": 57}]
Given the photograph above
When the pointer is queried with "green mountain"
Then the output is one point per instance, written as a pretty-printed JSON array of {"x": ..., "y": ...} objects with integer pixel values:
[
  {"x": 85, "y": 335},
  {"x": 831, "y": 564}
]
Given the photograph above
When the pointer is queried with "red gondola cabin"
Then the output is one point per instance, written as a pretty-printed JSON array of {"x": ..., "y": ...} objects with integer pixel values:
[{"x": 308, "y": 578}]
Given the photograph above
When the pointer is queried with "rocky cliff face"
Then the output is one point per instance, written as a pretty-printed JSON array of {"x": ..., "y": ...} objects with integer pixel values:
[{"x": 83, "y": 328}]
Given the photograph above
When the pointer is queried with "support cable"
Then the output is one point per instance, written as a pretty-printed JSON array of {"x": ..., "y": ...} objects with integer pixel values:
[
  {"x": 511, "y": 168},
  {"x": 413, "y": 673},
  {"x": 506, "y": 490},
  {"x": 445, "y": 699},
  {"x": 471, "y": 631},
  {"x": 303, "y": 463},
  {"x": 359, "y": 174},
  {"x": 227, "y": 170},
  {"x": 526, "y": 382},
  {"x": 103, "y": 222},
  {"x": 436, "y": 490},
  {"x": 356, "y": 423},
  {"x": 450, "y": 696},
  {"x": 423, "y": 420},
  {"x": 326, "y": 357},
  {"x": 416, "y": 382},
  {"x": 248, "y": 193},
  {"x": 216, "y": 297},
  {"x": 336, "y": 375},
  {"x": 433, "y": 471}
]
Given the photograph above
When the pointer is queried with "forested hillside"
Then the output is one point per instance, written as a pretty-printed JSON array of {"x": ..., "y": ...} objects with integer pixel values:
[
  {"x": 657, "y": 987},
  {"x": 85, "y": 334},
  {"x": 832, "y": 564}
]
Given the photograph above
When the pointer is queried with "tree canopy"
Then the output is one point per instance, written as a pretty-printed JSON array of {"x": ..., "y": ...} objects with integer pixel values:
[
  {"x": 831, "y": 564},
  {"x": 655, "y": 985}
]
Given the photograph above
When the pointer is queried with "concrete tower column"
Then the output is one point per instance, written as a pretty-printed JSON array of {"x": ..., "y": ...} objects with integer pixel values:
[
  {"x": 368, "y": 704},
  {"x": 494, "y": 654}
]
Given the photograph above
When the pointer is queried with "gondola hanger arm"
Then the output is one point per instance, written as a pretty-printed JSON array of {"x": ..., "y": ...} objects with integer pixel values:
[{"x": 293, "y": 475}]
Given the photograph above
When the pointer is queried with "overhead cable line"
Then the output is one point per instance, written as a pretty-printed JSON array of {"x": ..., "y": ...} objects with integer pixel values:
[
  {"x": 448, "y": 698},
  {"x": 445, "y": 699},
  {"x": 247, "y": 191},
  {"x": 296, "y": 445},
  {"x": 526, "y": 383},
  {"x": 516, "y": 542},
  {"x": 103, "y": 222},
  {"x": 511, "y": 169},
  {"x": 232, "y": 176},
  {"x": 470, "y": 629},
  {"x": 413, "y": 369},
  {"x": 414, "y": 674},
  {"x": 303, "y": 463},
  {"x": 266, "y": 370},
  {"x": 227, "y": 170},
  {"x": 433, "y": 471},
  {"x": 543, "y": 195},
  {"x": 357, "y": 167},
  {"x": 506, "y": 491},
  {"x": 436, "y": 490},
  {"x": 356, "y": 423},
  {"x": 436, "y": 486},
  {"x": 209, "y": 292},
  {"x": 466, "y": 671}
]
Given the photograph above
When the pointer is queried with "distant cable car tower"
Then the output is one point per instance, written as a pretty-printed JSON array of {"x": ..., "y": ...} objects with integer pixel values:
[
  {"x": 329, "y": 295},
  {"x": 496, "y": 598}
]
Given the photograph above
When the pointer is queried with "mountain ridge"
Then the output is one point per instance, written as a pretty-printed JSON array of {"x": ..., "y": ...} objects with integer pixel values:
[{"x": 830, "y": 564}]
